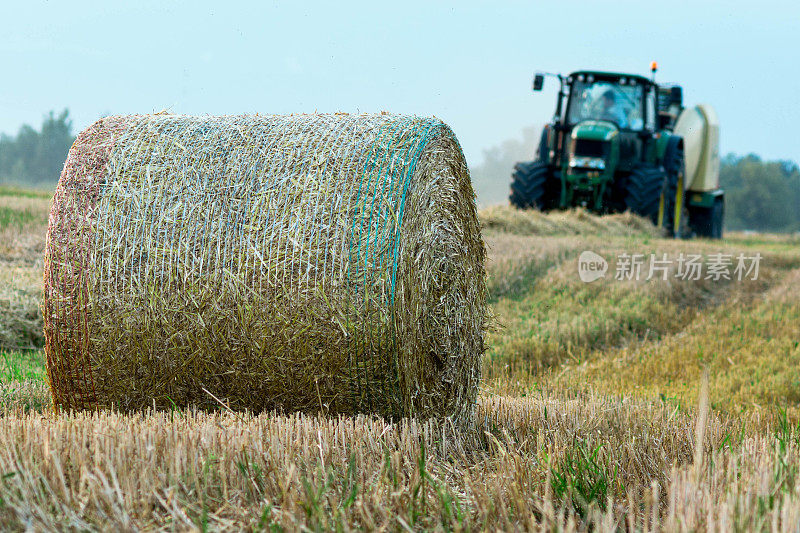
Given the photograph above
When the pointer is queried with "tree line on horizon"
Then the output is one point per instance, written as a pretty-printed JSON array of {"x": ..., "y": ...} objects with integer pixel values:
[
  {"x": 35, "y": 157},
  {"x": 759, "y": 195}
]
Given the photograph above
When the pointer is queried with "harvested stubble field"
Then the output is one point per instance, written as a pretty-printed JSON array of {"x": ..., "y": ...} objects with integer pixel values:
[{"x": 594, "y": 412}]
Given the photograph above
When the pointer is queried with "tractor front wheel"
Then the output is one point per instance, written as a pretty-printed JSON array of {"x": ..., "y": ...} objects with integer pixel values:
[
  {"x": 646, "y": 192},
  {"x": 532, "y": 186}
]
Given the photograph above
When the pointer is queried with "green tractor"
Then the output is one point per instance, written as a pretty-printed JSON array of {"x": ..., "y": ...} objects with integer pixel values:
[{"x": 620, "y": 142}]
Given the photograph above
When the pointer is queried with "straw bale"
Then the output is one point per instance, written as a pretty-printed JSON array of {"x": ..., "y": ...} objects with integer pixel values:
[{"x": 303, "y": 263}]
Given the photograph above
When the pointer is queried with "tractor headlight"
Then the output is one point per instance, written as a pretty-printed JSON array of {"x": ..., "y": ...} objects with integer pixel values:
[{"x": 595, "y": 163}]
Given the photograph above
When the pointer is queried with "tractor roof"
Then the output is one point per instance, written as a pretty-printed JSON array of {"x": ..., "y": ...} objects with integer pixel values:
[{"x": 598, "y": 74}]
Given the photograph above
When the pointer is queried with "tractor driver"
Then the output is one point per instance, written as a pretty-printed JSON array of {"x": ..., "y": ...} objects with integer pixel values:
[{"x": 612, "y": 111}]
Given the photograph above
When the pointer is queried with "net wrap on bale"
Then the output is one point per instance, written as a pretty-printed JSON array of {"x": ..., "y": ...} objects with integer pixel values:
[{"x": 301, "y": 262}]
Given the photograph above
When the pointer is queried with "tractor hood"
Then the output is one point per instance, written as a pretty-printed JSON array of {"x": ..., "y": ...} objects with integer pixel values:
[{"x": 594, "y": 130}]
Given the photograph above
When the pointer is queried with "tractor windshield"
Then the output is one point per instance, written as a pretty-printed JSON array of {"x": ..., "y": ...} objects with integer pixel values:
[{"x": 604, "y": 100}]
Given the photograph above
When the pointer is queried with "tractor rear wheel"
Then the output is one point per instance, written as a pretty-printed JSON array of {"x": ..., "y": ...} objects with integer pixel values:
[
  {"x": 646, "y": 190},
  {"x": 532, "y": 186}
]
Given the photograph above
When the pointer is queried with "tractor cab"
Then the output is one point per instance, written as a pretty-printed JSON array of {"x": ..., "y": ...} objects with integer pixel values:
[
  {"x": 603, "y": 120},
  {"x": 619, "y": 99}
]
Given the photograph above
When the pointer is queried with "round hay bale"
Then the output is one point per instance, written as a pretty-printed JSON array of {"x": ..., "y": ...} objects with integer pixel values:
[{"x": 304, "y": 263}]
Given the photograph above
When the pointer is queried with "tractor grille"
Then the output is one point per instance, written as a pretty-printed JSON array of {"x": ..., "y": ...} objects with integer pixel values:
[{"x": 589, "y": 148}]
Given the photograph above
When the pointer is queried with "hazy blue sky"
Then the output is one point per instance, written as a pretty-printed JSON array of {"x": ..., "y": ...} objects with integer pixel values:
[{"x": 469, "y": 63}]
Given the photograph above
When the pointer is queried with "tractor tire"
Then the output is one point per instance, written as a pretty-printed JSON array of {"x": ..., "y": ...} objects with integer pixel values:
[
  {"x": 675, "y": 217},
  {"x": 532, "y": 186},
  {"x": 645, "y": 186},
  {"x": 707, "y": 222}
]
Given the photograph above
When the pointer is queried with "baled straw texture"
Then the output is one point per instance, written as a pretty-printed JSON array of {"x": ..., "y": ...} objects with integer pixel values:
[{"x": 305, "y": 263}]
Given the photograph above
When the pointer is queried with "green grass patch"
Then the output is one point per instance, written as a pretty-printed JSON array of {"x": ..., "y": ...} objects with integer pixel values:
[
  {"x": 18, "y": 218},
  {"x": 580, "y": 476},
  {"x": 11, "y": 190},
  {"x": 23, "y": 381},
  {"x": 22, "y": 366}
]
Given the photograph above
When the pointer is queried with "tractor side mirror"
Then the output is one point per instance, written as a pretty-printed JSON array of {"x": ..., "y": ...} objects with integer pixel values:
[{"x": 538, "y": 82}]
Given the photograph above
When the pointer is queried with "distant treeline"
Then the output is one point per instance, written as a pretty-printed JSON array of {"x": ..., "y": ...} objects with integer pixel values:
[
  {"x": 34, "y": 157},
  {"x": 759, "y": 195}
]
